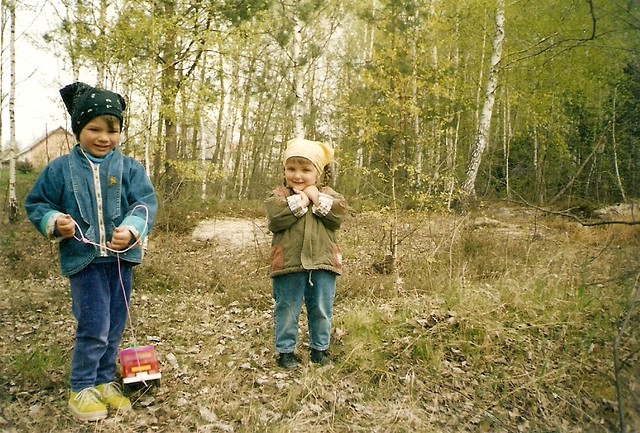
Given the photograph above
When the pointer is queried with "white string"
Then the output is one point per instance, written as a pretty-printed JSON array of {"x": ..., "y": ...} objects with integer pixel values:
[{"x": 84, "y": 240}]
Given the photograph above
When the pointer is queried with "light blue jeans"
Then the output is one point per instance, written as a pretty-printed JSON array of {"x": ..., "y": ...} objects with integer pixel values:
[
  {"x": 317, "y": 289},
  {"x": 99, "y": 307}
]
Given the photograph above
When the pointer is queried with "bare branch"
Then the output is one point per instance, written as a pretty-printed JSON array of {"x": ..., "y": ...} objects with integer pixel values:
[{"x": 568, "y": 214}]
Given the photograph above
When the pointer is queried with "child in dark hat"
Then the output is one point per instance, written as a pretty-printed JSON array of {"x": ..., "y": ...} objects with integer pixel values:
[
  {"x": 98, "y": 205},
  {"x": 84, "y": 103}
]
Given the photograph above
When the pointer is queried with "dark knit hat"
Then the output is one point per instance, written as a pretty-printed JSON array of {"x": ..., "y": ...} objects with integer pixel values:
[{"x": 84, "y": 102}]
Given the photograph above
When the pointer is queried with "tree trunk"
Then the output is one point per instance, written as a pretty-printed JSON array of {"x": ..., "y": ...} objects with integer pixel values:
[
  {"x": 506, "y": 144},
  {"x": 203, "y": 163},
  {"x": 297, "y": 79},
  {"x": 452, "y": 131},
  {"x": 615, "y": 151},
  {"x": 484, "y": 125},
  {"x": 13, "y": 202},
  {"x": 101, "y": 63},
  {"x": 3, "y": 15},
  {"x": 218, "y": 152},
  {"x": 415, "y": 118},
  {"x": 238, "y": 165},
  {"x": 169, "y": 91},
  {"x": 538, "y": 168},
  {"x": 198, "y": 132}
]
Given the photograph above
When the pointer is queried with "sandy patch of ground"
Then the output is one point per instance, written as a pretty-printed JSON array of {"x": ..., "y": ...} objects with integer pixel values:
[{"x": 233, "y": 233}]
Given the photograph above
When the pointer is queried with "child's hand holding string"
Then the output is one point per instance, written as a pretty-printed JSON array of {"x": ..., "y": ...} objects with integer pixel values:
[
  {"x": 66, "y": 226},
  {"x": 121, "y": 239}
]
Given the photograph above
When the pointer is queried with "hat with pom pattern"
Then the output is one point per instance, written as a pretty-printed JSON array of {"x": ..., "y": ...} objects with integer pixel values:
[{"x": 85, "y": 102}]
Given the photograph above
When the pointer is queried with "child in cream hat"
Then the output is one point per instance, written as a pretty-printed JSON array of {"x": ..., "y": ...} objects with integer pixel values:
[{"x": 304, "y": 215}]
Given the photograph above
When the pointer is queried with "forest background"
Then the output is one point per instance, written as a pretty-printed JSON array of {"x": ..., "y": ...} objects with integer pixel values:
[
  {"x": 496, "y": 319},
  {"x": 426, "y": 102}
]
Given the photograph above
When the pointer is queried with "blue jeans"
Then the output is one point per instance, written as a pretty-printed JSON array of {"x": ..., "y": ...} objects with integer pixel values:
[
  {"x": 317, "y": 289},
  {"x": 98, "y": 303}
]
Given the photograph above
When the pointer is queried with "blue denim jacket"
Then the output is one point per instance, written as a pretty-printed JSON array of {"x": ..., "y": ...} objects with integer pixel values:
[{"x": 73, "y": 185}]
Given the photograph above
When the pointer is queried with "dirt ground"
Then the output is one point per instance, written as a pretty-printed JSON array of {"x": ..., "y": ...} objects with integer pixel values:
[
  {"x": 234, "y": 233},
  {"x": 203, "y": 300},
  {"x": 35, "y": 315}
]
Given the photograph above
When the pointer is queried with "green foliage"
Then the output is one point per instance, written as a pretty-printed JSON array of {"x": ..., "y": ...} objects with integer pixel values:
[
  {"x": 396, "y": 85},
  {"x": 627, "y": 115},
  {"x": 24, "y": 166},
  {"x": 19, "y": 246},
  {"x": 39, "y": 365},
  {"x": 239, "y": 11}
]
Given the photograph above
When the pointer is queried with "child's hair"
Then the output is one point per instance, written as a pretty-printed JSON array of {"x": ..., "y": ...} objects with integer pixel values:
[
  {"x": 112, "y": 122},
  {"x": 325, "y": 177}
]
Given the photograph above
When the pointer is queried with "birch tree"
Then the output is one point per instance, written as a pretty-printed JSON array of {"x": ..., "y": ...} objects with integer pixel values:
[
  {"x": 13, "y": 202},
  {"x": 306, "y": 28},
  {"x": 399, "y": 87},
  {"x": 298, "y": 112},
  {"x": 484, "y": 124}
]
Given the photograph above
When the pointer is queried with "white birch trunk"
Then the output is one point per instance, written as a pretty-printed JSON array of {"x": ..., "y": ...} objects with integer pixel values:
[
  {"x": 203, "y": 163},
  {"x": 3, "y": 18},
  {"x": 368, "y": 42},
  {"x": 484, "y": 124},
  {"x": 506, "y": 143},
  {"x": 13, "y": 202},
  {"x": 297, "y": 79},
  {"x": 75, "y": 38},
  {"x": 203, "y": 140},
  {"x": 101, "y": 66},
  {"x": 615, "y": 152},
  {"x": 452, "y": 134},
  {"x": 420, "y": 149},
  {"x": 416, "y": 117}
]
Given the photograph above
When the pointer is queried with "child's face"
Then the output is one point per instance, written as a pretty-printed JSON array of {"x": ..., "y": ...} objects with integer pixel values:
[
  {"x": 98, "y": 138},
  {"x": 300, "y": 173}
]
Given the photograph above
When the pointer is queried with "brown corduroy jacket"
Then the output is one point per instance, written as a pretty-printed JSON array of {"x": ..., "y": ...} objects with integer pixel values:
[{"x": 307, "y": 243}]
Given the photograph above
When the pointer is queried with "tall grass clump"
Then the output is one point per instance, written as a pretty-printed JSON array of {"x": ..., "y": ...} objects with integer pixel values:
[{"x": 41, "y": 366}]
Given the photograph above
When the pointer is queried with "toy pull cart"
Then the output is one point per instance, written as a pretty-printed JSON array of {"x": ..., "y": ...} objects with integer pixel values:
[{"x": 139, "y": 365}]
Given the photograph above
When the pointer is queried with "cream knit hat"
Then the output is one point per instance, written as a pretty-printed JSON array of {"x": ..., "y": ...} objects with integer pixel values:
[{"x": 320, "y": 154}]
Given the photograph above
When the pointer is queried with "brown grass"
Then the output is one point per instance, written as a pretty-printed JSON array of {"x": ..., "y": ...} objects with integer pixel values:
[{"x": 498, "y": 322}]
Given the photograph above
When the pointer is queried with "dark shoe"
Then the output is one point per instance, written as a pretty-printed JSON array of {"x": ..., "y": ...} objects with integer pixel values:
[
  {"x": 288, "y": 361},
  {"x": 320, "y": 357}
]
